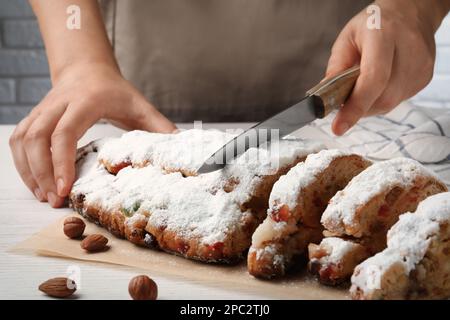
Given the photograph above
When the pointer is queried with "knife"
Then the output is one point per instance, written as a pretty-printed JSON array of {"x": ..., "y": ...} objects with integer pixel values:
[{"x": 319, "y": 101}]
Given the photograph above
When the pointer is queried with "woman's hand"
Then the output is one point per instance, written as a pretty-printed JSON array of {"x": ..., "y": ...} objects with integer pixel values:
[
  {"x": 44, "y": 143},
  {"x": 87, "y": 86},
  {"x": 396, "y": 61}
]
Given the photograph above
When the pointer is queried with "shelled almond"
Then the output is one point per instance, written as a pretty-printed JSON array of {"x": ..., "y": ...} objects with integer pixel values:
[{"x": 60, "y": 287}]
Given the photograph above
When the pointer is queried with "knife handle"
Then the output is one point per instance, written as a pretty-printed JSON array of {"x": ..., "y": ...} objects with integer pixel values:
[{"x": 331, "y": 94}]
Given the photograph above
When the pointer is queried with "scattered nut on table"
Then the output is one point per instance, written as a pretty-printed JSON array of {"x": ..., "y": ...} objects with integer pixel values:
[
  {"x": 74, "y": 227},
  {"x": 58, "y": 287},
  {"x": 143, "y": 288},
  {"x": 94, "y": 243}
]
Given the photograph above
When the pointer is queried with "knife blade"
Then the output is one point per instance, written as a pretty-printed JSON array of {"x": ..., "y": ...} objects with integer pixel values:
[{"x": 318, "y": 102}]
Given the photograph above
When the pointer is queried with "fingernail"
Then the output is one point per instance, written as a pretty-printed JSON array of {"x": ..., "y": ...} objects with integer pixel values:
[
  {"x": 343, "y": 128},
  {"x": 60, "y": 186},
  {"x": 52, "y": 198},
  {"x": 38, "y": 194}
]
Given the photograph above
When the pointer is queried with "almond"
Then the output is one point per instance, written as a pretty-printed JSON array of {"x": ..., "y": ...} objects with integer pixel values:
[
  {"x": 94, "y": 243},
  {"x": 74, "y": 227},
  {"x": 58, "y": 287},
  {"x": 143, "y": 288}
]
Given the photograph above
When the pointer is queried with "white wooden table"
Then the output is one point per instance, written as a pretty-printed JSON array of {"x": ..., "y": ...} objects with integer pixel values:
[{"x": 21, "y": 216}]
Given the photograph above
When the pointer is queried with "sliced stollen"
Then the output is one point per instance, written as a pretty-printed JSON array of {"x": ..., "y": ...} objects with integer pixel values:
[
  {"x": 364, "y": 211},
  {"x": 296, "y": 204},
  {"x": 326, "y": 259},
  {"x": 416, "y": 262},
  {"x": 143, "y": 186}
]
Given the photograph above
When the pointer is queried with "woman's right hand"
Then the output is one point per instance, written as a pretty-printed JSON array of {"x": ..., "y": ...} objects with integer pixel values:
[{"x": 44, "y": 143}]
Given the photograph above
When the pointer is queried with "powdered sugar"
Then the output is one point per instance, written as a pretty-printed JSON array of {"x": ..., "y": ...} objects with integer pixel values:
[
  {"x": 194, "y": 206},
  {"x": 170, "y": 151},
  {"x": 268, "y": 230},
  {"x": 368, "y": 184},
  {"x": 136, "y": 218},
  {"x": 287, "y": 189},
  {"x": 408, "y": 242},
  {"x": 368, "y": 276},
  {"x": 411, "y": 234},
  {"x": 336, "y": 248},
  {"x": 271, "y": 251},
  {"x": 437, "y": 206}
]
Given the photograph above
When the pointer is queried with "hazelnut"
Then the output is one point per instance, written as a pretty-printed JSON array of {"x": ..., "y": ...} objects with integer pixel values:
[
  {"x": 74, "y": 227},
  {"x": 143, "y": 288}
]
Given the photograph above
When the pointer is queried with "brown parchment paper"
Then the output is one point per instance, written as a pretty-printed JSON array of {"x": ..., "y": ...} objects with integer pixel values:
[{"x": 51, "y": 241}]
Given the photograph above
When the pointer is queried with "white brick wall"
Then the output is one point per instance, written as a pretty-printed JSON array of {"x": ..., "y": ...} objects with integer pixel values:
[
  {"x": 24, "y": 76},
  {"x": 437, "y": 93},
  {"x": 7, "y": 91},
  {"x": 21, "y": 34}
]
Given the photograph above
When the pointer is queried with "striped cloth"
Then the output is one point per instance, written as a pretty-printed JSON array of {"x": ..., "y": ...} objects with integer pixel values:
[{"x": 410, "y": 131}]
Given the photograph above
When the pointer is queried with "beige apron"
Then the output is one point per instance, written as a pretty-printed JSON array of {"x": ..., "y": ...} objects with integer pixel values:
[{"x": 225, "y": 60}]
